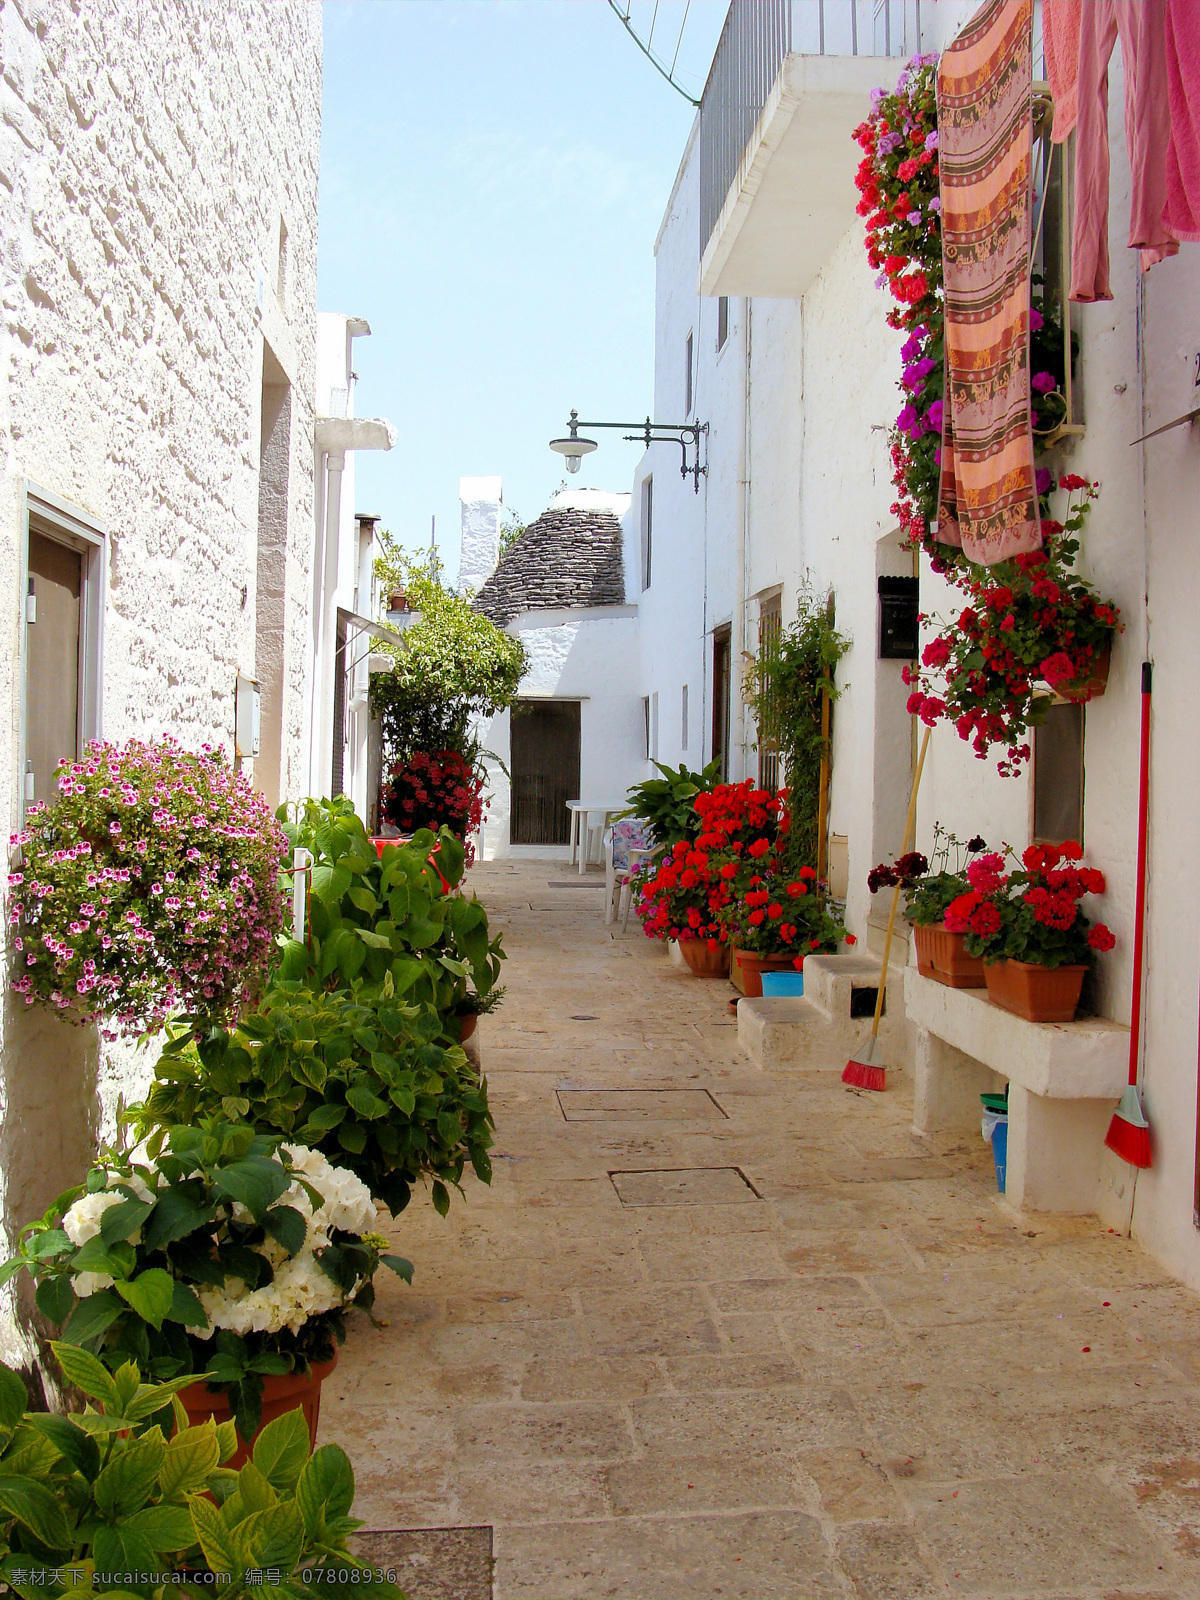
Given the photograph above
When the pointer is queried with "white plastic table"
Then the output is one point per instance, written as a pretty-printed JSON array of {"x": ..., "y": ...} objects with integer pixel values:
[{"x": 581, "y": 833}]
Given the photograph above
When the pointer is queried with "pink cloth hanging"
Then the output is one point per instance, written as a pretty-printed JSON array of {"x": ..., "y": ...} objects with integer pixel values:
[
  {"x": 1182, "y": 211},
  {"x": 1141, "y": 26},
  {"x": 1060, "y": 44}
]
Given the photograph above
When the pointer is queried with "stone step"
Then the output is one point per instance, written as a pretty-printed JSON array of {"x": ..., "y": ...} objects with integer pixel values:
[{"x": 818, "y": 1030}]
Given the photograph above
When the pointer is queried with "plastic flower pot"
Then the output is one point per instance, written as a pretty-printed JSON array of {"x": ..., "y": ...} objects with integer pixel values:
[
  {"x": 1039, "y": 994},
  {"x": 942, "y": 956},
  {"x": 747, "y": 970},
  {"x": 291, "y": 1392},
  {"x": 780, "y": 984},
  {"x": 702, "y": 961},
  {"x": 999, "y": 1143}
]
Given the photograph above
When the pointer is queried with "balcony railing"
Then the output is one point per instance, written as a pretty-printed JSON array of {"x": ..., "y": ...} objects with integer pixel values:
[{"x": 756, "y": 37}]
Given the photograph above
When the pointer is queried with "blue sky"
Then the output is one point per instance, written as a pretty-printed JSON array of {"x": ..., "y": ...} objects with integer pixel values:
[{"x": 493, "y": 174}]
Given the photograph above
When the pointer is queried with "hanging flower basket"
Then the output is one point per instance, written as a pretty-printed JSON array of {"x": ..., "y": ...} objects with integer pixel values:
[
  {"x": 1039, "y": 994},
  {"x": 942, "y": 956},
  {"x": 291, "y": 1392}
]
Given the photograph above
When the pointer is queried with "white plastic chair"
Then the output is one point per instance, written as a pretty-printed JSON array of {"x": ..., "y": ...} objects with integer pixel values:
[{"x": 627, "y": 847}]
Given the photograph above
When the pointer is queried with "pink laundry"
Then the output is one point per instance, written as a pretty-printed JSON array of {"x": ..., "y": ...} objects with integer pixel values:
[
  {"x": 1141, "y": 26},
  {"x": 1182, "y": 212},
  {"x": 1060, "y": 42}
]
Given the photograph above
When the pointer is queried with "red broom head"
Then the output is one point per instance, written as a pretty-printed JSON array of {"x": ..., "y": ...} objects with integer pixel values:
[
  {"x": 1128, "y": 1133},
  {"x": 862, "y": 1075},
  {"x": 1131, "y": 1143}
]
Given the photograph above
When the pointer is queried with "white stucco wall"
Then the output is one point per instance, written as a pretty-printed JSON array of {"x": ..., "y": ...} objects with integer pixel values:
[
  {"x": 811, "y": 475},
  {"x": 148, "y": 157}
]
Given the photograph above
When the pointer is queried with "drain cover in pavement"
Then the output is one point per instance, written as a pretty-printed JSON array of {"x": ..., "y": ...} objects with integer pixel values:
[
  {"x": 431, "y": 1563},
  {"x": 637, "y": 1105},
  {"x": 684, "y": 1186}
]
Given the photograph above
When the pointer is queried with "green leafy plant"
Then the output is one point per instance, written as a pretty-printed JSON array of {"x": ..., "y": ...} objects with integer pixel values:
[
  {"x": 394, "y": 922},
  {"x": 109, "y": 1501},
  {"x": 665, "y": 804},
  {"x": 223, "y": 1253},
  {"x": 454, "y": 666},
  {"x": 783, "y": 689},
  {"x": 367, "y": 1085}
]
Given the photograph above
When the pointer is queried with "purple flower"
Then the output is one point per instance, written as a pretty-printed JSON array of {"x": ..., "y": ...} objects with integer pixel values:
[
  {"x": 1043, "y": 382},
  {"x": 931, "y": 140},
  {"x": 935, "y": 204},
  {"x": 908, "y": 421},
  {"x": 1043, "y": 478},
  {"x": 937, "y": 455},
  {"x": 934, "y": 417},
  {"x": 890, "y": 142},
  {"x": 915, "y": 374},
  {"x": 1035, "y": 321},
  {"x": 881, "y": 281},
  {"x": 877, "y": 97},
  {"x": 914, "y": 219}
]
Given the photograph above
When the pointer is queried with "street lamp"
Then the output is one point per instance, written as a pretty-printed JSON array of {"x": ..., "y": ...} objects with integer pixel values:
[{"x": 685, "y": 434}]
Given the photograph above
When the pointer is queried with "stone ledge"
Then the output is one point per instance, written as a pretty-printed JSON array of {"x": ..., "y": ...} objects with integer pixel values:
[{"x": 1086, "y": 1060}]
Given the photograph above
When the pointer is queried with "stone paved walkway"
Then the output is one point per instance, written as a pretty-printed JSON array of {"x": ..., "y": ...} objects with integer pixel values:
[{"x": 793, "y": 1351}]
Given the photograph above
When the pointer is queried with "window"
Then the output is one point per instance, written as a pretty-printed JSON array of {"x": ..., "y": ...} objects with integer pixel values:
[
  {"x": 1058, "y": 775},
  {"x": 683, "y": 721},
  {"x": 687, "y": 380},
  {"x": 770, "y": 626},
  {"x": 654, "y": 726},
  {"x": 646, "y": 722},
  {"x": 720, "y": 704},
  {"x": 722, "y": 320},
  {"x": 1060, "y": 414},
  {"x": 647, "y": 530},
  {"x": 64, "y": 561}
]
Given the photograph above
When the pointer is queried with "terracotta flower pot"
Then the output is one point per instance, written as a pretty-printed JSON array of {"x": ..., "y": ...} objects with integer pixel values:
[
  {"x": 704, "y": 962},
  {"x": 748, "y": 969},
  {"x": 1093, "y": 686},
  {"x": 1039, "y": 994},
  {"x": 288, "y": 1393},
  {"x": 469, "y": 1024},
  {"x": 942, "y": 956}
]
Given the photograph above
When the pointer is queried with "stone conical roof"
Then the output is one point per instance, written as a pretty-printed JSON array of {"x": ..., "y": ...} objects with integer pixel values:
[{"x": 568, "y": 559}]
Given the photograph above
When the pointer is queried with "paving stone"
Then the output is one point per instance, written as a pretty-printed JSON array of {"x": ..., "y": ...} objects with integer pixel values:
[
  {"x": 432, "y": 1563},
  {"x": 874, "y": 1378},
  {"x": 696, "y": 1186}
]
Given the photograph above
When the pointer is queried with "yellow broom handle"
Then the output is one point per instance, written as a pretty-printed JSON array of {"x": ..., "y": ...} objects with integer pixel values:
[{"x": 909, "y": 828}]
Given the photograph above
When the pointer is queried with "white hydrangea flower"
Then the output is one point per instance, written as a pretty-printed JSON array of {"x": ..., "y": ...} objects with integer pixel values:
[
  {"x": 300, "y": 1290},
  {"x": 347, "y": 1202},
  {"x": 83, "y": 1220}
]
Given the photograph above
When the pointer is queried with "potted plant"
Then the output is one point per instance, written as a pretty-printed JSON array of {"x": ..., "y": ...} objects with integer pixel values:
[
  {"x": 368, "y": 1085},
  {"x": 929, "y": 888},
  {"x": 127, "y": 1487},
  {"x": 1031, "y": 628},
  {"x": 437, "y": 790},
  {"x": 775, "y": 919},
  {"x": 667, "y": 804},
  {"x": 677, "y": 897},
  {"x": 227, "y": 1256},
  {"x": 125, "y": 882},
  {"x": 1030, "y": 930}
]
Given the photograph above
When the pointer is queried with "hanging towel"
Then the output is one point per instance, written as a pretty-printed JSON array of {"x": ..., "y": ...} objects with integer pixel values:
[
  {"x": 987, "y": 502},
  {"x": 1182, "y": 211},
  {"x": 1060, "y": 42},
  {"x": 1141, "y": 26}
]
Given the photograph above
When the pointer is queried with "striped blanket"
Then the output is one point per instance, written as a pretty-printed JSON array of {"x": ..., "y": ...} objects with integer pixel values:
[{"x": 987, "y": 502}]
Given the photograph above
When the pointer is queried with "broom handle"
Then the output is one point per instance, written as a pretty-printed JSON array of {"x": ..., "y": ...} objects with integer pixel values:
[
  {"x": 908, "y": 836},
  {"x": 1139, "y": 915}
]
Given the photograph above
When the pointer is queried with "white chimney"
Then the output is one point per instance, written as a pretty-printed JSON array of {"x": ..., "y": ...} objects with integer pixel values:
[{"x": 481, "y": 501}]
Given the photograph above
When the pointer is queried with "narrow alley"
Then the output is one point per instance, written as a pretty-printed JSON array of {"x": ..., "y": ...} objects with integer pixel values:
[{"x": 728, "y": 1332}]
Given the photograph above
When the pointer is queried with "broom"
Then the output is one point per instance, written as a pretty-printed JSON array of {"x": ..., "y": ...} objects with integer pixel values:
[
  {"x": 866, "y": 1070},
  {"x": 1129, "y": 1132}
]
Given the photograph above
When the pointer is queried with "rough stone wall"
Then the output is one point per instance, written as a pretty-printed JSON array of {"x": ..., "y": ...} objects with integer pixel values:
[{"x": 148, "y": 156}]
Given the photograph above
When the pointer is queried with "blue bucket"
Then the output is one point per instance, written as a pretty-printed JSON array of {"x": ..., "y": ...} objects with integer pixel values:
[
  {"x": 1000, "y": 1151},
  {"x": 783, "y": 983}
]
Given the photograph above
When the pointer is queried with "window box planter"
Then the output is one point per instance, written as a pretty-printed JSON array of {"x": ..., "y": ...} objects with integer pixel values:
[
  {"x": 291, "y": 1392},
  {"x": 702, "y": 961},
  {"x": 1039, "y": 994},
  {"x": 942, "y": 956},
  {"x": 747, "y": 970}
]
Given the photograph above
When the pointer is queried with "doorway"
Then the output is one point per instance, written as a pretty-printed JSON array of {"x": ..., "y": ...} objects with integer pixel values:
[
  {"x": 545, "y": 770},
  {"x": 722, "y": 654}
]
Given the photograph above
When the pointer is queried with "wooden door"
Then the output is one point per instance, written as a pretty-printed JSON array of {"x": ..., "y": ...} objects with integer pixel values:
[
  {"x": 545, "y": 770},
  {"x": 52, "y": 684}
]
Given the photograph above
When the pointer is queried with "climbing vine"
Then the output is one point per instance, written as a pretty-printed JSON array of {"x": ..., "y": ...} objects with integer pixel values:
[{"x": 783, "y": 689}]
